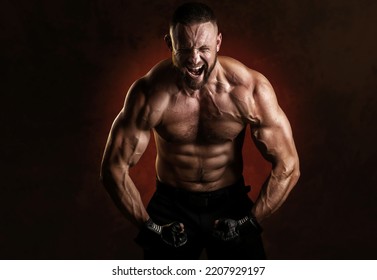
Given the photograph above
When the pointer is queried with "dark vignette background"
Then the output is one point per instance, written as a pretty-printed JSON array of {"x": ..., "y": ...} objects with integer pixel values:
[{"x": 65, "y": 69}]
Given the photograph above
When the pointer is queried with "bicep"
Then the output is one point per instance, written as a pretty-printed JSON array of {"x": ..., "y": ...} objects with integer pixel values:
[
  {"x": 274, "y": 139},
  {"x": 272, "y": 132},
  {"x": 127, "y": 142},
  {"x": 130, "y": 133}
]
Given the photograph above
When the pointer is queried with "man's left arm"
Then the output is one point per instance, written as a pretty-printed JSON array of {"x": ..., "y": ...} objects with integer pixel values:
[{"x": 272, "y": 134}]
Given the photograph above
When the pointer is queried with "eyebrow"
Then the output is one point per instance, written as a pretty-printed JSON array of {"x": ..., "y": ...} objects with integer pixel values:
[{"x": 189, "y": 48}]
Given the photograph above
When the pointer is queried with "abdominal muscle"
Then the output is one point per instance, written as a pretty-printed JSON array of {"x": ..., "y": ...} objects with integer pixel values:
[{"x": 198, "y": 167}]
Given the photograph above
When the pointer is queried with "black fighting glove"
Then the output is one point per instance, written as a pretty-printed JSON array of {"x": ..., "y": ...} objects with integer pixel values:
[
  {"x": 172, "y": 234},
  {"x": 229, "y": 229}
]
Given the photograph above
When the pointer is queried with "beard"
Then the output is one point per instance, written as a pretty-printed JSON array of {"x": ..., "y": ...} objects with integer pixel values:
[{"x": 191, "y": 82}]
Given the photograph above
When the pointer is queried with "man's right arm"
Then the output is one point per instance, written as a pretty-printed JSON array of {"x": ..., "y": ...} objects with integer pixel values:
[{"x": 127, "y": 141}]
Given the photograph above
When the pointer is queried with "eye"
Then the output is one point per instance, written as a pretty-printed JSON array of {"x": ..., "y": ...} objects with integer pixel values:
[
  {"x": 183, "y": 51},
  {"x": 204, "y": 49}
]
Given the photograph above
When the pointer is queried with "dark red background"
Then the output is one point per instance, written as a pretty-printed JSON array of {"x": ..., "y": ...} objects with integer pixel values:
[{"x": 65, "y": 69}]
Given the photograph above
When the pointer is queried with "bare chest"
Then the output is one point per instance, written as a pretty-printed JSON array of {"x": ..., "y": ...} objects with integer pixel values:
[{"x": 205, "y": 120}]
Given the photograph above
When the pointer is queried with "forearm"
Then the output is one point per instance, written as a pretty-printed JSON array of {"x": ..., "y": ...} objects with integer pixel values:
[
  {"x": 275, "y": 190},
  {"x": 124, "y": 193}
]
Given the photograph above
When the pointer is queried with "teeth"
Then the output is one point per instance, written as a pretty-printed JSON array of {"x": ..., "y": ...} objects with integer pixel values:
[{"x": 195, "y": 70}]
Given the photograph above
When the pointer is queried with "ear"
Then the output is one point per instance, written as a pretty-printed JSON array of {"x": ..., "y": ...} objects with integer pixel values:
[
  {"x": 168, "y": 42},
  {"x": 218, "y": 41}
]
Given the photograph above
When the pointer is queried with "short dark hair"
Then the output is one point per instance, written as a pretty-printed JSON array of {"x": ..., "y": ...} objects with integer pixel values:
[{"x": 192, "y": 12}]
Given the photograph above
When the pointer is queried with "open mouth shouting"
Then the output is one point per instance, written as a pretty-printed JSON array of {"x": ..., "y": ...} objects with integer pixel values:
[{"x": 195, "y": 72}]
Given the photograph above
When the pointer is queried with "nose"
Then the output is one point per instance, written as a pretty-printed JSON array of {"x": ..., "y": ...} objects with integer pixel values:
[{"x": 194, "y": 57}]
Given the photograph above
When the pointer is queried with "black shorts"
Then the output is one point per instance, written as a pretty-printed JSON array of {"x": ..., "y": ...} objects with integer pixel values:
[{"x": 198, "y": 212}]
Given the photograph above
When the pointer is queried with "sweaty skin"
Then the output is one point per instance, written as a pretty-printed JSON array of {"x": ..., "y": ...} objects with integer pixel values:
[{"x": 198, "y": 106}]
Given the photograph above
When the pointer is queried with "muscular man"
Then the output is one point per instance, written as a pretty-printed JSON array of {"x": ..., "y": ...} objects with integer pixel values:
[{"x": 198, "y": 106}]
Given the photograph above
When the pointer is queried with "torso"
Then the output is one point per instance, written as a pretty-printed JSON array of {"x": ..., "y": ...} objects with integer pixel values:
[{"x": 199, "y": 137}]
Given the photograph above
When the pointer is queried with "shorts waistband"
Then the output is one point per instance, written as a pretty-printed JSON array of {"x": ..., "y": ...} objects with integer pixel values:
[{"x": 203, "y": 199}]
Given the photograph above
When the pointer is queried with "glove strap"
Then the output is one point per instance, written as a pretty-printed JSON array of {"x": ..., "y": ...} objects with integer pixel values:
[
  {"x": 243, "y": 220},
  {"x": 250, "y": 219},
  {"x": 153, "y": 226}
]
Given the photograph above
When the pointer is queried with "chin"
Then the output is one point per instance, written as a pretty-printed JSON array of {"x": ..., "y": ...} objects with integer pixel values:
[{"x": 192, "y": 84}]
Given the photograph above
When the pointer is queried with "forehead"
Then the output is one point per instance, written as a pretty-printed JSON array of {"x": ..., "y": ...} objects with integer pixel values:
[{"x": 196, "y": 33}]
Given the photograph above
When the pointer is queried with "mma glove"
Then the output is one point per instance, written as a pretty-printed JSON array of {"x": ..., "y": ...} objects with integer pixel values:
[
  {"x": 229, "y": 229},
  {"x": 172, "y": 234}
]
